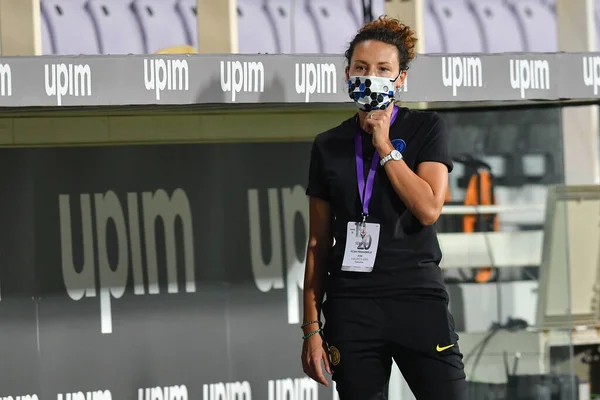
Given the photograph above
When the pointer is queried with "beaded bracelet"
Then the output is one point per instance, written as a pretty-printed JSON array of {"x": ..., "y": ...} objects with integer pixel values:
[
  {"x": 311, "y": 334},
  {"x": 310, "y": 323}
]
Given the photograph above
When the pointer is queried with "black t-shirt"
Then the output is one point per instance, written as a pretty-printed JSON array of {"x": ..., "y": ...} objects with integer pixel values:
[{"x": 408, "y": 254}]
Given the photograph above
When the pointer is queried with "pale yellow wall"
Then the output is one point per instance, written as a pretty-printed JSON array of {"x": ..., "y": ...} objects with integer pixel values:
[
  {"x": 20, "y": 26},
  {"x": 217, "y": 26}
]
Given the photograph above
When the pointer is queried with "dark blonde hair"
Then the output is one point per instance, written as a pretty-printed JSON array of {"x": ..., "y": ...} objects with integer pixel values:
[{"x": 390, "y": 31}]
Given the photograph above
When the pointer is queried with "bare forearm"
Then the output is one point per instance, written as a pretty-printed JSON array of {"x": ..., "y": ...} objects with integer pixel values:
[
  {"x": 415, "y": 193},
  {"x": 314, "y": 283}
]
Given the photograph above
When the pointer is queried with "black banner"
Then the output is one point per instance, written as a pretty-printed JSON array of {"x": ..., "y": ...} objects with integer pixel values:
[{"x": 153, "y": 272}]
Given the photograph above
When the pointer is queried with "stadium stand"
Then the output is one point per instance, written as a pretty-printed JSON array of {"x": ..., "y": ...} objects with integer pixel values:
[
  {"x": 257, "y": 33},
  {"x": 116, "y": 27},
  {"x": 460, "y": 26},
  {"x": 295, "y": 31},
  {"x": 335, "y": 35},
  {"x": 435, "y": 42},
  {"x": 47, "y": 42},
  {"x": 188, "y": 11},
  {"x": 539, "y": 23},
  {"x": 65, "y": 17},
  {"x": 292, "y": 26},
  {"x": 501, "y": 30},
  {"x": 162, "y": 26}
]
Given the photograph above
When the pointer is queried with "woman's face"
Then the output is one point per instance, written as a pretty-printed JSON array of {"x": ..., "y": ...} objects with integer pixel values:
[{"x": 375, "y": 58}]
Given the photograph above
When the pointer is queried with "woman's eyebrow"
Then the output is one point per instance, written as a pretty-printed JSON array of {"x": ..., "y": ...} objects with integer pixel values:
[{"x": 379, "y": 63}]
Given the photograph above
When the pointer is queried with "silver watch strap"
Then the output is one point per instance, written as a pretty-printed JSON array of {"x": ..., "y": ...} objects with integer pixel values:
[{"x": 385, "y": 159}]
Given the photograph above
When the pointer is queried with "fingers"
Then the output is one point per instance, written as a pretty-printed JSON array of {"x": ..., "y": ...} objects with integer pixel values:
[
  {"x": 306, "y": 367},
  {"x": 377, "y": 114},
  {"x": 377, "y": 117},
  {"x": 327, "y": 363},
  {"x": 318, "y": 372},
  {"x": 376, "y": 122},
  {"x": 311, "y": 366}
]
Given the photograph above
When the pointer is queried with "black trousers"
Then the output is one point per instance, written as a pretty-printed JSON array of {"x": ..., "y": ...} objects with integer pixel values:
[{"x": 417, "y": 332}]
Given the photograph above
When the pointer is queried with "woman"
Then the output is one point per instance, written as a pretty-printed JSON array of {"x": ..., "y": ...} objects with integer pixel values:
[{"x": 377, "y": 183}]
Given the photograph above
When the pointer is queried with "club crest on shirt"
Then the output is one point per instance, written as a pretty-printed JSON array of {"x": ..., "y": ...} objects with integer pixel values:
[
  {"x": 399, "y": 144},
  {"x": 334, "y": 353}
]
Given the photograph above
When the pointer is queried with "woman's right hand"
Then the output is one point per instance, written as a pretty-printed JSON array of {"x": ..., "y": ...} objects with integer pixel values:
[{"x": 313, "y": 353}]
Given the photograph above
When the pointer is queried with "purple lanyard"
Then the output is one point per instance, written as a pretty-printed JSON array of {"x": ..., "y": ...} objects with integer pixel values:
[{"x": 366, "y": 190}]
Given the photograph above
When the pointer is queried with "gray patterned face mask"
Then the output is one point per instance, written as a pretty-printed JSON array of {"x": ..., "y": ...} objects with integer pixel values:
[{"x": 371, "y": 92}]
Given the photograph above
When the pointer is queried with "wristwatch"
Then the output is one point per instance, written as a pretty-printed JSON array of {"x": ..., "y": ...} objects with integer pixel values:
[{"x": 394, "y": 155}]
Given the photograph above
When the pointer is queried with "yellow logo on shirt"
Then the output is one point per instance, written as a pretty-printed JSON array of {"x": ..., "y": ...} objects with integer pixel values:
[{"x": 440, "y": 349}]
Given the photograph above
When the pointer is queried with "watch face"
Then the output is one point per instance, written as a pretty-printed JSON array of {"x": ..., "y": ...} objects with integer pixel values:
[{"x": 396, "y": 155}]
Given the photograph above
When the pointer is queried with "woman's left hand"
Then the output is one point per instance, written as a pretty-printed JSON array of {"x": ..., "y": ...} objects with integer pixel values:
[{"x": 377, "y": 123}]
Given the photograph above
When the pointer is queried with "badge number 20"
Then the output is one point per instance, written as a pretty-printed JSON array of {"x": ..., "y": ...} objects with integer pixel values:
[{"x": 365, "y": 240}]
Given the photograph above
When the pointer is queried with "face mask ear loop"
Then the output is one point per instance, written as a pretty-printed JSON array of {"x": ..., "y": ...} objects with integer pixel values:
[
  {"x": 397, "y": 89},
  {"x": 403, "y": 68}
]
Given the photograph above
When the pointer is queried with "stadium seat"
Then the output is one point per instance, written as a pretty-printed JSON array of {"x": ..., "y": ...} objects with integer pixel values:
[
  {"x": 459, "y": 26},
  {"x": 539, "y": 23},
  {"x": 280, "y": 14},
  {"x": 335, "y": 23},
  {"x": 70, "y": 26},
  {"x": 501, "y": 28},
  {"x": 306, "y": 33},
  {"x": 161, "y": 24},
  {"x": 597, "y": 20},
  {"x": 305, "y": 38},
  {"x": 255, "y": 29},
  {"x": 189, "y": 14},
  {"x": 378, "y": 7},
  {"x": 434, "y": 41},
  {"x": 47, "y": 40},
  {"x": 118, "y": 28},
  {"x": 551, "y": 4}
]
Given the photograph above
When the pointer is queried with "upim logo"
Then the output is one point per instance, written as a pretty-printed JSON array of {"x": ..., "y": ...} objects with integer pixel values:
[
  {"x": 244, "y": 76},
  {"x": 165, "y": 393},
  {"x": 227, "y": 391},
  {"x": 591, "y": 72},
  {"x": 293, "y": 389},
  {"x": 315, "y": 78},
  {"x": 268, "y": 276},
  {"x": 5, "y": 80},
  {"x": 67, "y": 79},
  {"x": 27, "y": 397},
  {"x": 171, "y": 75},
  {"x": 462, "y": 72},
  {"x": 110, "y": 220},
  {"x": 97, "y": 395},
  {"x": 529, "y": 74}
]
